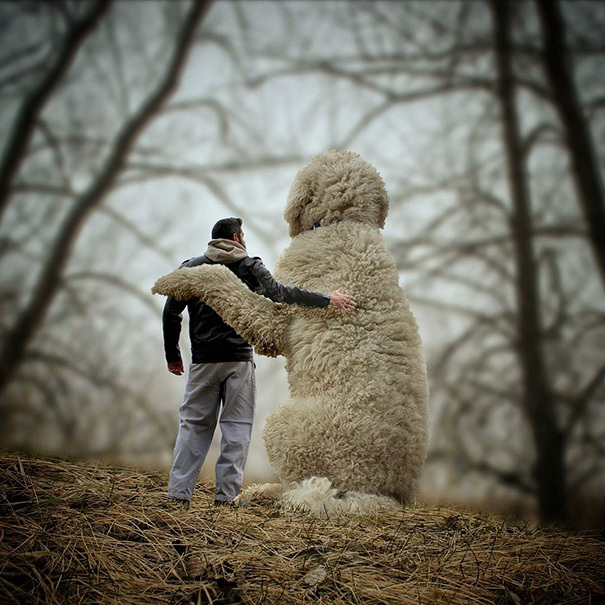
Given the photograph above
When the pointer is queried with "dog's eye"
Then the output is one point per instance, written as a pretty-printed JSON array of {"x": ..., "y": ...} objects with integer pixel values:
[{"x": 316, "y": 225}]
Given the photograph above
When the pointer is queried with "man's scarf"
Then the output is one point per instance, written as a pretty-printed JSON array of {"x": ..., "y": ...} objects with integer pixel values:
[{"x": 225, "y": 251}]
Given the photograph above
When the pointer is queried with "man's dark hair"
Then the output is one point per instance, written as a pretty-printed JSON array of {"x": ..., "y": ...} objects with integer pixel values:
[{"x": 226, "y": 228}]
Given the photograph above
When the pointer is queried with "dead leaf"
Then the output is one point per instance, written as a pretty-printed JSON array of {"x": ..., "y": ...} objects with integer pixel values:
[
  {"x": 316, "y": 576},
  {"x": 195, "y": 568}
]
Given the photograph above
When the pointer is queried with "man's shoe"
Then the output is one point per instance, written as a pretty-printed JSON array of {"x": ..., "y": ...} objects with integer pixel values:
[
  {"x": 228, "y": 503},
  {"x": 177, "y": 502}
]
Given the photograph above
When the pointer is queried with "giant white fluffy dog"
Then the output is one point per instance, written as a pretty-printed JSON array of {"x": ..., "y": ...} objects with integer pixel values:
[{"x": 353, "y": 435}]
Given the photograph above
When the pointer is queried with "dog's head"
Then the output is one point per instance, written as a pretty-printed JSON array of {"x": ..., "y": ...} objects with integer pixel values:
[{"x": 336, "y": 186}]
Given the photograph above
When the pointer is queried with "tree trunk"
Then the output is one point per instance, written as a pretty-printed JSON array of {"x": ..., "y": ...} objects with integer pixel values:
[
  {"x": 538, "y": 399},
  {"x": 25, "y": 122},
  {"x": 48, "y": 283},
  {"x": 584, "y": 161}
]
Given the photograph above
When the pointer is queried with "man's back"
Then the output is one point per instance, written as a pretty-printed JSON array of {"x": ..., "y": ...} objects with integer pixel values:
[{"x": 212, "y": 340}]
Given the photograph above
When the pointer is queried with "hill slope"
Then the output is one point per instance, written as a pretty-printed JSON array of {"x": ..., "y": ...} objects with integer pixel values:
[{"x": 77, "y": 533}]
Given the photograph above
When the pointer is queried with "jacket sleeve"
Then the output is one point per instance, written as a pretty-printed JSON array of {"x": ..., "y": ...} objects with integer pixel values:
[
  {"x": 281, "y": 293},
  {"x": 171, "y": 325}
]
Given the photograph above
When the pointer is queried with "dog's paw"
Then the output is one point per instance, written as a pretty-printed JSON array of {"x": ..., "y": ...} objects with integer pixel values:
[
  {"x": 264, "y": 494},
  {"x": 201, "y": 281},
  {"x": 176, "y": 285}
]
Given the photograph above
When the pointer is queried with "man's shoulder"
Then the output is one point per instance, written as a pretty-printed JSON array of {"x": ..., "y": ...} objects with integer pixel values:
[
  {"x": 251, "y": 271},
  {"x": 194, "y": 261},
  {"x": 254, "y": 259},
  {"x": 251, "y": 261},
  {"x": 245, "y": 265}
]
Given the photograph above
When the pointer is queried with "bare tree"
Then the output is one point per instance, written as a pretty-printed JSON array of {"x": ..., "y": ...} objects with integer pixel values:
[
  {"x": 538, "y": 398},
  {"x": 16, "y": 148},
  {"x": 31, "y": 316},
  {"x": 456, "y": 68},
  {"x": 565, "y": 97},
  {"x": 505, "y": 253}
]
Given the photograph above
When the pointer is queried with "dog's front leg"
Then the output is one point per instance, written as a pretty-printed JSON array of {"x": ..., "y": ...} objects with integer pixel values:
[{"x": 260, "y": 321}]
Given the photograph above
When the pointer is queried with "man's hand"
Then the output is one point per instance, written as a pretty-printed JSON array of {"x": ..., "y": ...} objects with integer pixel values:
[
  {"x": 342, "y": 301},
  {"x": 176, "y": 367}
]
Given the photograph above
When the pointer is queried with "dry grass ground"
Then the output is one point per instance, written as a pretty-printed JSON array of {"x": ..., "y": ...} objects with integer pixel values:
[{"x": 81, "y": 533}]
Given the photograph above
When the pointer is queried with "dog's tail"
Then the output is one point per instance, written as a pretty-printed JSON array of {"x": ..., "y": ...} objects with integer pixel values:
[{"x": 317, "y": 496}]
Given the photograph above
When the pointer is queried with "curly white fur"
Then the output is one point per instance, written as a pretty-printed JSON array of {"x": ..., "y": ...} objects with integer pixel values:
[
  {"x": 356, "y": 422},
  {"x": 317, "y": 496}
]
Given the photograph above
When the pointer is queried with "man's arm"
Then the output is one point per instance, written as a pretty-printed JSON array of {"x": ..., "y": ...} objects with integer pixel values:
[
  {"x": 172, "y": 318},
  {"x": 277, "y": 292}
]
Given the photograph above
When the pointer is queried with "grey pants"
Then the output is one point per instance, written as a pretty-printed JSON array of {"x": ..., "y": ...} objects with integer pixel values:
[{"x": 233, "y": 384}]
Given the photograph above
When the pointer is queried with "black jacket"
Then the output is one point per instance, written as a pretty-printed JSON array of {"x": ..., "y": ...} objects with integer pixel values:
[{"x": 212, "y": 340}]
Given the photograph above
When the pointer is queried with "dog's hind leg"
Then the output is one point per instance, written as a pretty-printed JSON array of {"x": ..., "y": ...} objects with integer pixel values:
[{"x": 308, "y": 437}]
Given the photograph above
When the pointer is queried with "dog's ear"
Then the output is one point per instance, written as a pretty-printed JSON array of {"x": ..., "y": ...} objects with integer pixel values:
[{"x": 299, "y": 196}]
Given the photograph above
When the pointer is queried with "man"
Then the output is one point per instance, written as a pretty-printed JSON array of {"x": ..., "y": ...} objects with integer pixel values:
[{"x": 222, "y": 368}]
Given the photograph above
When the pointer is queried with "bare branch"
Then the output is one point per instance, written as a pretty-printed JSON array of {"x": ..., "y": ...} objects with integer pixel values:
[
  {"x": 49, "y": 396},
  {"x": 590, "y": 473},
  {"x": 244, "y": 165},
  {"x": 586, "y": 168},
  {"x": 25, "y": 123},
  {"x": 512, "y": 479},
  {"x": 48, "y": 282},
  {"x": 103, "y": 381},
  {"x": 582, "y": 400},
  {"x": 148, "y": 241},
  {"x": 54, "y": 144},
  {"x": 537, "y": 133},
  {"x": 202, "y": 176},
  {"x": 118, "y": 282}
]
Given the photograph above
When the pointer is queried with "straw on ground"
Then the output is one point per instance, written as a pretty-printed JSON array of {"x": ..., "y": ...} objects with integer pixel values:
[{"x": 80, "y": 533}]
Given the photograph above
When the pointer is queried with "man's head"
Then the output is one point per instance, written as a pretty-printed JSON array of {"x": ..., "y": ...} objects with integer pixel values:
[{"x": 229, "y": 228}]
